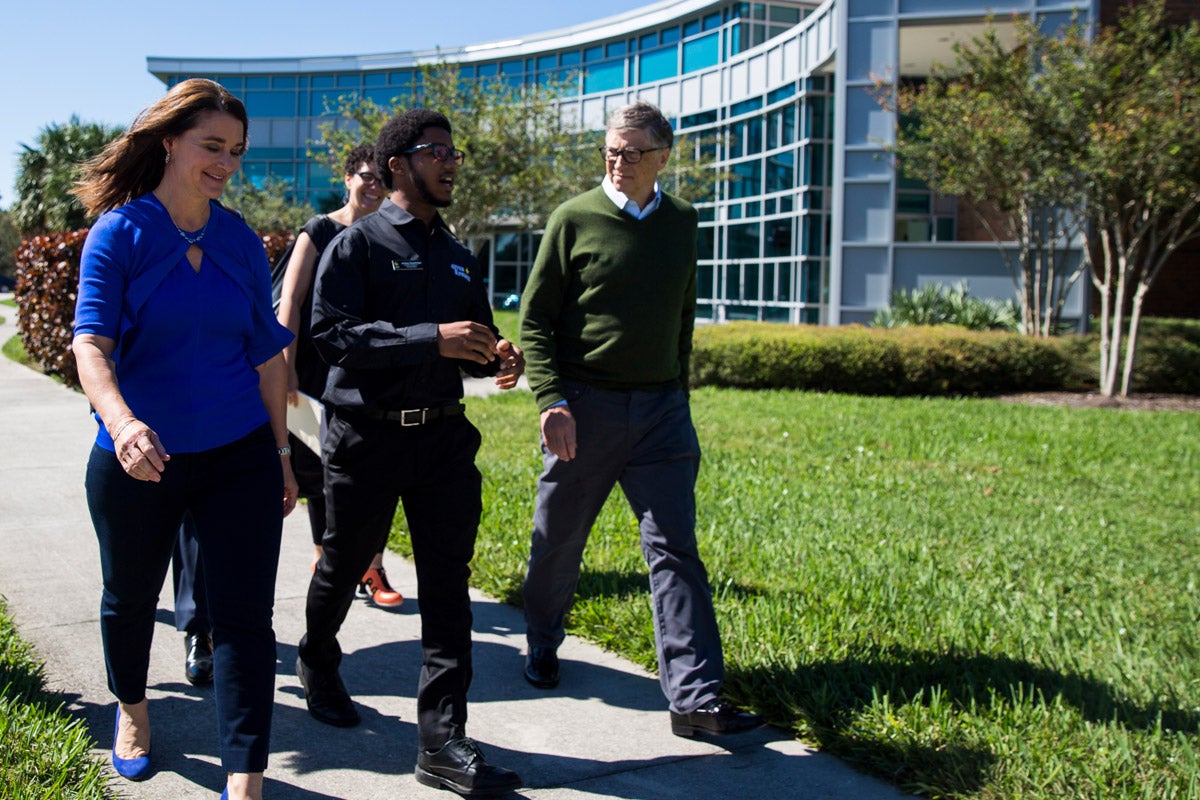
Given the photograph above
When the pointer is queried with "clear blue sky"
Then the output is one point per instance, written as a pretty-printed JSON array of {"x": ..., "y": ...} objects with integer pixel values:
[{"x": 64, "y": 57}]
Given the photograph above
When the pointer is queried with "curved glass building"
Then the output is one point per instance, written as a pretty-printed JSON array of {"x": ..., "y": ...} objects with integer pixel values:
[{"x": 808, "y": 222}]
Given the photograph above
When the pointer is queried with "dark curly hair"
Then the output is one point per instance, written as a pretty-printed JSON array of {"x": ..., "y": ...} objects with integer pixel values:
[
  {"x": 360, "y": 154},
  {"x": 402, "y": 132}
]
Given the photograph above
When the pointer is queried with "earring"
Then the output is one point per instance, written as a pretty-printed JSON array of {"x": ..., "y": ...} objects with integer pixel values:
[{"x": 167, "y": 160}]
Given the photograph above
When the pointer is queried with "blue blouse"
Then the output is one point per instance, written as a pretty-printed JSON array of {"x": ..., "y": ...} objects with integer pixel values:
[{"x": 187, "y": 342}]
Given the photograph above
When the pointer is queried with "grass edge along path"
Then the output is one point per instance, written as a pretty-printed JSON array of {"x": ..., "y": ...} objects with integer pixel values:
[
  {"x": 44, "y": 750},
  {"x": 969, "y": 598}
]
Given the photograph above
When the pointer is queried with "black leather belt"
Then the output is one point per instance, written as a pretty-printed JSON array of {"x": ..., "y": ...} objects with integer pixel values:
[{"x": 412, "y": 417}]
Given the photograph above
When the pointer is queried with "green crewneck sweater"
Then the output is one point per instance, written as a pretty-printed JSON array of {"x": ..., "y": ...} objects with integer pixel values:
[{"x": 611, "y": 300}]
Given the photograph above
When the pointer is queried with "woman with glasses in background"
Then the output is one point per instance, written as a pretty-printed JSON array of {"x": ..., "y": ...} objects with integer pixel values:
[{"x": 306, "y": 370}]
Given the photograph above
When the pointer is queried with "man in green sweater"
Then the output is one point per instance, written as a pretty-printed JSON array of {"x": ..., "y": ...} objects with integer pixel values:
[{"x": 606, "y": 323}]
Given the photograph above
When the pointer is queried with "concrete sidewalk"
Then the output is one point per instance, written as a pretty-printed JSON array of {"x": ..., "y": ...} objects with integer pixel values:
[{"x": 603, "y": 733}]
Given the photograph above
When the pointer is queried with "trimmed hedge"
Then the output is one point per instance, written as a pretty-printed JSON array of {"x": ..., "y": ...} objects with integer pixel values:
[
  {"x": 47, "y": 282},
  {"x": 47, "y": 285},
  {"x": 941, "y": 360}
]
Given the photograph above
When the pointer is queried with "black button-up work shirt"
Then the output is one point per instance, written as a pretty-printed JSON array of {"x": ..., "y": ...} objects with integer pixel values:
[{"x": 382, "y": 288}]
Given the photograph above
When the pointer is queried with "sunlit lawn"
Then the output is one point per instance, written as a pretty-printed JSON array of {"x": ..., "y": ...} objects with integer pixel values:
[{"x": 969, "y": 598}]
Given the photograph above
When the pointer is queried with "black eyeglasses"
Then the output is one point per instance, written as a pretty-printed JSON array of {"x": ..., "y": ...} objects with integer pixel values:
[
  {"x": 440, "y": 152},
  {"x": 632, "y": 155},
  {"x": 369, "y": 178}
]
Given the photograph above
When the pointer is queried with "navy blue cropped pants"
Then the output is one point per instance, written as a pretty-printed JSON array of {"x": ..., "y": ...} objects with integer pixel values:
[{"x": 235, "y": 496}]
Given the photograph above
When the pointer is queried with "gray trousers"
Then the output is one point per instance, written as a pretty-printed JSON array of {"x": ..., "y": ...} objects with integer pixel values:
[{"x": 644, "y": 441}]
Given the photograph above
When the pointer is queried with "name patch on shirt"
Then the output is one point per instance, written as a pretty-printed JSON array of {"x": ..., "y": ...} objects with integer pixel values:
[
  {"x": 461, "y": 272},
  {"x": 399, "y": 266}
]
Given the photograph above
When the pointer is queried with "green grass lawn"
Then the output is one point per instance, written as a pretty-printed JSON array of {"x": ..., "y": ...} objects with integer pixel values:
[
  {"x": 965, "y": 597},
  {"x": 43, "y": 749}
]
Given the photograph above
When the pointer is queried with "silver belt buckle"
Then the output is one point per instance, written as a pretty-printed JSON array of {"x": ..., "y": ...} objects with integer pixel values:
[{"x": 419, "y": 413}]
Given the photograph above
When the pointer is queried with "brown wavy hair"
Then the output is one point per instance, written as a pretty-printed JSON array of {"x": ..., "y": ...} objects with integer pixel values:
[{"x": 133, "y": 164}]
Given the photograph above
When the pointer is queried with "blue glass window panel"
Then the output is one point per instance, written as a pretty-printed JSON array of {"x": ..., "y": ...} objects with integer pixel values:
[
  {"x": 569, "y": 59},
  {"x": 323, "y": 82},
  {"x": 255, "y": 172},
  {"x": 703, "y": 118},
  {"x": 712, "y": 21},
  {"x": 785, "y": 14},
  {"x": 913, "y": 203},
  {"x": 234, "y": 83},
  {"x": 745, "y": 179},
  {"x": 351, "y": 81},
  {"x": 754, "y": 209},
  {"x": 818, "y": 164},
  {"x": 669, "y": 35},
  {"x": 466, "y": 71},
  {"x": 754, "y": 136},
  {"x": 788, "y": 133},
  {"x": 691, "y": 28},
  {"x": 323, "y": 103},
  {"x": 743, "y": 240},
  {"x": 780, "y": 172},
  {"x": 702, "y": 53},
  {"x": 402, "y": 78},
  {"x": 769, "y": 205},
  {"x": 814, "y": 223},
  {"x": 734, "y": 211},
  {"x": 604, "y": 77},
  {"x": 778, "y": 240},
  {"x": 706, "y": 213},
  {"x": 735, "y": 36},
  {"x": 512, "y": 67},
  {"x": 785, "y": 205},
  {"x": 648, "y": 41},
  {"x": 658, "y": 65},
  {"x": 258, "y": 82},
  {"x": 270, "y": 104},
  {"x": 782, "y": 92},
  {"x": 593, "y": 53},
  {"x": 745, "y": 107},
  {"x": 283, "y": 82},
  {"x": 546, "y": 62},
  {"x": 375, "y": 79},
  {"x": 705, "y": 239},
  {"x": 737, "y": 140},
  {"x": 945, "y": 229},
  {"x": 382, "y": 97},
  {"x": 704, "y": 281},
  {"x": 613, "y": 49}
]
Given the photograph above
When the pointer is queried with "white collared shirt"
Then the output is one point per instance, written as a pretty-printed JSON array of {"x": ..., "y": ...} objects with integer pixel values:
[{"x": 630, "y": 207}]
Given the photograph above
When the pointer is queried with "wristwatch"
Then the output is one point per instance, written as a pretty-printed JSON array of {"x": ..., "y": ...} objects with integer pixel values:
[{"x": 286, "y": 450}]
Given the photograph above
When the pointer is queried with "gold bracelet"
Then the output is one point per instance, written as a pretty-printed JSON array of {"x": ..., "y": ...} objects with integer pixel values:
[{"x": 128, "y": 421}]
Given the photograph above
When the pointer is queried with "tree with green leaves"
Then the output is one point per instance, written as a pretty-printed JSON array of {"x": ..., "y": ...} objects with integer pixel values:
[
  {"x": 10, "y": 240},
  {"x": 266, "y": 208},
  {"x": 1142, "y": 85},
  {"x": 47, "y": 171},
  {"x": 990, "y": 129},
  {"x": 524, "y": 157},
  {"x": 1069, "y": 138}
]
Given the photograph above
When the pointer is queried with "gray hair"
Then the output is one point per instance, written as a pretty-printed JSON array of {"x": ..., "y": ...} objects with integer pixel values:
[{"x": 643, "y": 116}]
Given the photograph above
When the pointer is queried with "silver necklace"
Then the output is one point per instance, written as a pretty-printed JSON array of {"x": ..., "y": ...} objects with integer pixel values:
[{"x": 191, "y": 240}]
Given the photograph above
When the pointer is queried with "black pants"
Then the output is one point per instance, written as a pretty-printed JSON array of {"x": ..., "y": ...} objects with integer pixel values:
[
  {"x": 187, "y": 578},
  {"x": 370, "y": 466}
]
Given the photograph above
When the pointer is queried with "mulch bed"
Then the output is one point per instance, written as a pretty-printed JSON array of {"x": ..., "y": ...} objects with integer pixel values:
[{"x": 1134, "y": 402}]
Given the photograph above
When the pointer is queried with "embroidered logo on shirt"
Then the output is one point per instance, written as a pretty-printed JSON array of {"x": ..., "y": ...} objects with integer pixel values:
[
  {"x": 398, "y": 266},
  {"x": 461, "y": 272}
]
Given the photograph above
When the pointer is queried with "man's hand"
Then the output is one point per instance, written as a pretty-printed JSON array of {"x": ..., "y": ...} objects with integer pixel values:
[
  {"x": 466, "y": 340},
  {"x": 512, "y": 364},
  {"x": 558, "y": 431}
]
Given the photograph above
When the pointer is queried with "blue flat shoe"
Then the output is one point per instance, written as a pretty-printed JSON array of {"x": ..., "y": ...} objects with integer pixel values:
[
  {"x": 133, "y": 769},
  {"x": 225, "y": 793}
]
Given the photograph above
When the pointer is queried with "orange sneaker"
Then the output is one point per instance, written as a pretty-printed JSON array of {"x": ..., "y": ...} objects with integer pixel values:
[{"x": 375, "y": 586}]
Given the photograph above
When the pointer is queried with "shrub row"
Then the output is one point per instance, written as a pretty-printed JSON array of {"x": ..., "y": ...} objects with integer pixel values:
[
  {"x": 47, "y": 284},
  {"x": 938, "y": 360}
]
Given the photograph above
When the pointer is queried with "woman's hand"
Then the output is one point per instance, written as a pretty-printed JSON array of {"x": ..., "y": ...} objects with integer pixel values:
[
  {"x": 140, "y": 452},
  {"x": 291, "y": 489}
]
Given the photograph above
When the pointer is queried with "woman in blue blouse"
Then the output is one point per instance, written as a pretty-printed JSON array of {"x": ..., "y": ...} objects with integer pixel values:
[{"x": 179, "y": 353}]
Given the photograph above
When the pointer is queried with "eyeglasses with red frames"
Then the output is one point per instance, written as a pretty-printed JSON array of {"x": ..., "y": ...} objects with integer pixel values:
[{"x": 440, "y": 152}]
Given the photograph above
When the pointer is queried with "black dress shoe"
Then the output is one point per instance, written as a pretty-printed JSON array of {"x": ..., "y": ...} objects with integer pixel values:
[
  {"x": 197, "y": 660},
  {"x": 459, "y": 766},
  {"x": 541, "y": 667},
  {"x": 326, "y": 696},
  {"x": 716, "y": 717}
]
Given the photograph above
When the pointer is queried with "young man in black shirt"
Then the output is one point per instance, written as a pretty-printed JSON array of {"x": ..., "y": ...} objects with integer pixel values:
[{"x": 399, "y": 307}]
